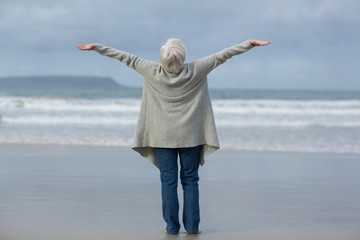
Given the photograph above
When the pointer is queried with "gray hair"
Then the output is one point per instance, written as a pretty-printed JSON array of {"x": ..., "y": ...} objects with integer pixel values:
[{"x": 172, "y": 55}]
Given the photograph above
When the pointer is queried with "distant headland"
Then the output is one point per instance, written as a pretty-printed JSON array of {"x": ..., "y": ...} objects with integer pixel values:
[{"x": 62, "y": 80}]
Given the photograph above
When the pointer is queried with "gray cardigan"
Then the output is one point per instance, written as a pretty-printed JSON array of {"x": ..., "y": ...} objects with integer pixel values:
[{"x": 176, "y": 110}]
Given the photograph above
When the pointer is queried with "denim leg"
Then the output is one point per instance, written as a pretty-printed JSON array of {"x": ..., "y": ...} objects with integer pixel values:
[
  {"x": 167, "y": 158},
  {"x": 189, "y": 161}
]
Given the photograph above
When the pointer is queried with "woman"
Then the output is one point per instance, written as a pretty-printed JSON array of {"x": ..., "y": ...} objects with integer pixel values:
[{"x": 176, "y": 118}]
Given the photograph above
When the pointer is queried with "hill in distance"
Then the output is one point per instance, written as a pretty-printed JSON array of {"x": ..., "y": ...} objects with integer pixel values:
[{"x": 63, "y": 81}]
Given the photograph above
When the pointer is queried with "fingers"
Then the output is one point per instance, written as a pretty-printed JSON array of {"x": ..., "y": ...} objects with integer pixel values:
[
  {"x": 264, "y": 43},
  {"x": 81, "y": 46},
  {"x": 86, "y": 47},
  {"x": 259, "y": 43}
]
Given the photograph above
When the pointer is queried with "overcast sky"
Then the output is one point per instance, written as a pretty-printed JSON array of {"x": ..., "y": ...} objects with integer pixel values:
[{"x": 315, "y": 43}]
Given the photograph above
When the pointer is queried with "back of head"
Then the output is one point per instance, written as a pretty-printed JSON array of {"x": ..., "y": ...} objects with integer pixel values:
[{"x": 172, "y": 55}]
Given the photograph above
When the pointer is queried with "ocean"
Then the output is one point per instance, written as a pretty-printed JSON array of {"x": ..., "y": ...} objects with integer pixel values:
[{"x": 103, "y": 113}]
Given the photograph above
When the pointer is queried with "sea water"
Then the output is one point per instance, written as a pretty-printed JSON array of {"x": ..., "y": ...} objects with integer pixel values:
[{"x": 254, "y": 120}]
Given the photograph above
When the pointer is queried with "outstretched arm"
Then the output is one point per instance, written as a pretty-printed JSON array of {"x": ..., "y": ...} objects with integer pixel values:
[
  {"x": 229, "y": 52},
  {"x": 129, "y": 59},
  {"x": 209, "y": 63},
  {"x": 138, "y": 64}
]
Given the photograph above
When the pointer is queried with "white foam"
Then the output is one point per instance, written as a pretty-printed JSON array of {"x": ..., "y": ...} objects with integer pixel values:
[
  {"x": 318, "y": 107},
  {"x": 235, "y": 112},
  {"x": 70, "y": 120},
  {"x": 256, "y": 125},
  {"x": 56, "y": 105}
]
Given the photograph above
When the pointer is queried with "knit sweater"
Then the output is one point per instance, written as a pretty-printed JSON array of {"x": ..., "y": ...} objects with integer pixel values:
[{"x": 176, "y": 110}]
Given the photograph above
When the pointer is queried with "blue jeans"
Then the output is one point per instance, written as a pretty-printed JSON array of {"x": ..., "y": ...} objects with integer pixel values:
[{"x": 168, "y": 166}]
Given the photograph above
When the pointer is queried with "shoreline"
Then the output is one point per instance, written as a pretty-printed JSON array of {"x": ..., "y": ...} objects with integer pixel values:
[
  {"x": 108, "y": 192},
  {"x": 125, "y": 148}
]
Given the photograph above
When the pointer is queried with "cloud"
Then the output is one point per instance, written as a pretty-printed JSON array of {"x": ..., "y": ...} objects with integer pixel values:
[{"x": 311, "y": 39}]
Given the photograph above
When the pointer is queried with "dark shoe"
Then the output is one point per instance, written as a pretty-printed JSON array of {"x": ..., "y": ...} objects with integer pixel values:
[{"x": 172, "y": 233}]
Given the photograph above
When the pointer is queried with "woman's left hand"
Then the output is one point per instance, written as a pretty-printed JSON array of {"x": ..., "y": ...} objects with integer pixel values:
[{"x": 86, "y": 47}]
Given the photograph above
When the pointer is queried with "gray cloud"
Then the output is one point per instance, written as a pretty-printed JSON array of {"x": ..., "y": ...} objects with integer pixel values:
[{"x": 315, "y": 43}]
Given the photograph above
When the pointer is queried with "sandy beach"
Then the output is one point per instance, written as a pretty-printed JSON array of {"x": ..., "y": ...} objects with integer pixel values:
[{"x": 51, "y": 192}]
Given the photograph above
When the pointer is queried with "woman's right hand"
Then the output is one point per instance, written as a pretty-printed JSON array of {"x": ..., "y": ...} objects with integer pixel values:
[
  {"x": 86, "y": 47},
  {"x": 255, "y": 42}
]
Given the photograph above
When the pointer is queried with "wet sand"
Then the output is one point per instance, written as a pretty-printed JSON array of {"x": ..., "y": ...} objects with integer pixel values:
[{"x": 86, "y": 192}]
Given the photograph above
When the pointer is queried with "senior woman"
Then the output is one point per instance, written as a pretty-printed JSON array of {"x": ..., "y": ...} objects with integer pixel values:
[{"x": 176, "y": 119}]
